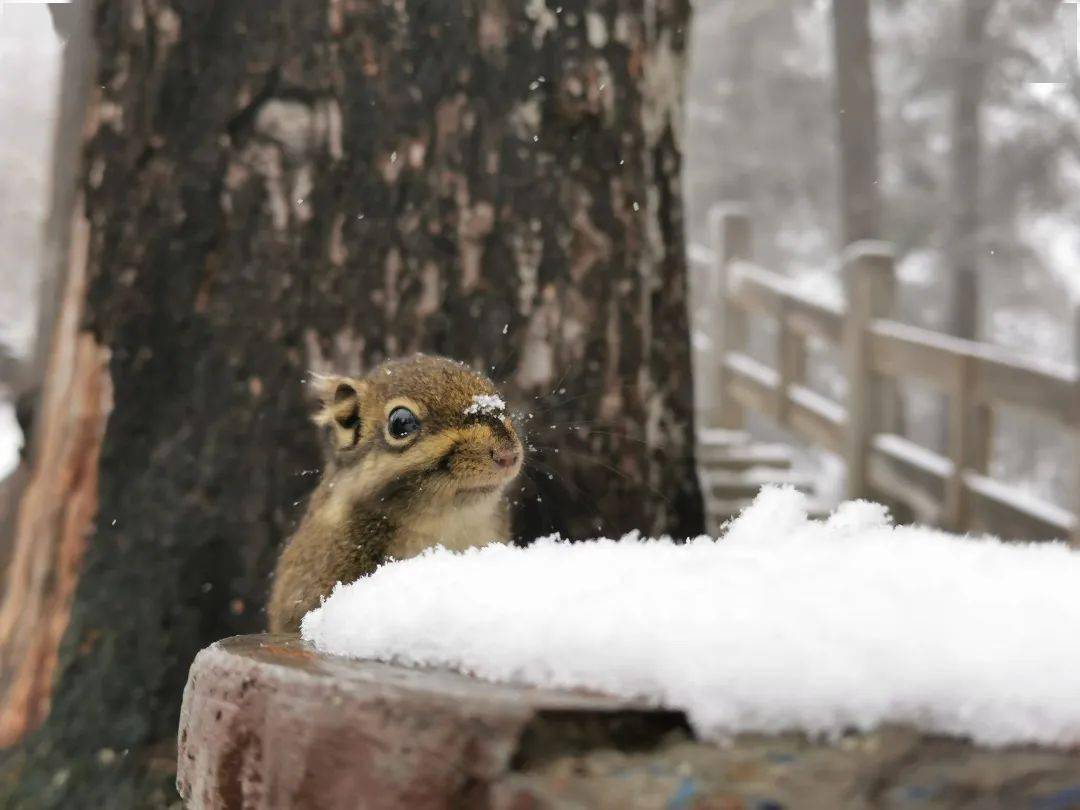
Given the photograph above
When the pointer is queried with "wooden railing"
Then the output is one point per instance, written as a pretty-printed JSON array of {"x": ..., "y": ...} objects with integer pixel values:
[{"x": 953, "y": 491}]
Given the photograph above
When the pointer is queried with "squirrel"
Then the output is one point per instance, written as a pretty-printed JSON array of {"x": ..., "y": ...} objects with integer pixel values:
[{"x": 422, "y": 453}]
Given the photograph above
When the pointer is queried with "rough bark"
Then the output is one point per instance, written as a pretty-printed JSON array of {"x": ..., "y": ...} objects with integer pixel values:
[
  {"x": 857, "y": 120},
  {"x": 283, "y": 186},
  {"x": 56, "y": 511},
  {"x": 969, "y": 82}
]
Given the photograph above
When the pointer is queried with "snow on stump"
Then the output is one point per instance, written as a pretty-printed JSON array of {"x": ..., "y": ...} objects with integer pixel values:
[
  {"x": 783, "y": 624},
  {"x": 820, "y": 664}
]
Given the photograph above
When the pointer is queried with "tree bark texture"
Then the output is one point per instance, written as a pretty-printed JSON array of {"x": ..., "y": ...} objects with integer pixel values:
[
  {"x": 857, "y": 120},
  {"x": 278, "y": 187},
  {"x": 964, "y": 237}
]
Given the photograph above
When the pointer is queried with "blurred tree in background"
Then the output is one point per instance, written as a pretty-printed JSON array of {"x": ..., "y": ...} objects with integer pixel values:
[
  {"x": 278, "y": 187},
  {"x": 971, "y": 60},
  {"x": 857, "y": 121}
]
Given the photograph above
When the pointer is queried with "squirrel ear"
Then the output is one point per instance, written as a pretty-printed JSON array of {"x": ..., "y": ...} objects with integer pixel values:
[{"x": 339, "y": 407}]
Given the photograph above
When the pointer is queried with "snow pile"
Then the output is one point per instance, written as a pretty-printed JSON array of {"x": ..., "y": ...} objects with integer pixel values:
[
  {"x": 786, "y": 623},
  {"x": 488, "y": 404}
]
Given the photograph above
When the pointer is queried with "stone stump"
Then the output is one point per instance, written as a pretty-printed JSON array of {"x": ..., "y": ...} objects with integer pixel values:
[{"x": 268, "y": 722}]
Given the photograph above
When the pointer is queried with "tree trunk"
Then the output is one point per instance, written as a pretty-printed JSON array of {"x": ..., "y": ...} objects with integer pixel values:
[
  {"x": 859, "y": 144},
  {"x": 744, "y": 175},
  {"x": 284, "y": 186},
  {"x": 970, "y": 78},
  {"x": 857, "y": 121}
]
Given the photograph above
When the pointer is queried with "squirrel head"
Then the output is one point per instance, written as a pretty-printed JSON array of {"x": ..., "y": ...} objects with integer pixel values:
[{"x": 422, "y": 430}]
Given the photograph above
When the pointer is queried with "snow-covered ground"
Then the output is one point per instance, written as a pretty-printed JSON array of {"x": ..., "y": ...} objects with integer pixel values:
[{"x": 786, "y": 623}]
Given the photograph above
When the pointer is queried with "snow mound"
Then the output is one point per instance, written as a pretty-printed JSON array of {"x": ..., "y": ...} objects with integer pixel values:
[{"x": 784, "y": 624}]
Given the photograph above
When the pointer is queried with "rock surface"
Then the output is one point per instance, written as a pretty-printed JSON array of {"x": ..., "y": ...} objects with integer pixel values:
[{"x": 267, "y": 722}]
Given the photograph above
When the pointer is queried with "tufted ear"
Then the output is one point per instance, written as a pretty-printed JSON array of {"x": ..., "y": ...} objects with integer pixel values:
[{"x": 339, "y": 408}]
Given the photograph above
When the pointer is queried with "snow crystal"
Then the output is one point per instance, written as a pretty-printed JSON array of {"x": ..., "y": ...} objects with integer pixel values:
[
  {"x": 785, "y": 623},
  {"x": 489, "y": 404}
]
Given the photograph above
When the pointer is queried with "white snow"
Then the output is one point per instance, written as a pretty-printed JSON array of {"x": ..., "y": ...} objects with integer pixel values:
[
  {"x": 786, "y": 623},
  {"x": 489, "y": 404},
  {"x": 11, "y": 440}
]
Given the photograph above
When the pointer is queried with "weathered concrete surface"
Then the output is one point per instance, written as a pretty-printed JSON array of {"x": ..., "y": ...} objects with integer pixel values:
[
  {"x": 894, "y": 768},
  {"x": 269, "y": 723}
]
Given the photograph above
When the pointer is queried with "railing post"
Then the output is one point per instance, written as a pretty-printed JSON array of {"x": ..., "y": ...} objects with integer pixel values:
[
  {"x": 966, "y": 445},
  {"x": 870, "y": 281},
  {"x": 792, "y": 354},
  {"x": 971, "y": 428},
  {"x": 980, "y": 443},
  {"x": 732, "y": 236}
]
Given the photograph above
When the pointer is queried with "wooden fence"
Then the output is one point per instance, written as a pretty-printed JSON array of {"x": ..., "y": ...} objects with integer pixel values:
[{"x": 954, "y": 491}]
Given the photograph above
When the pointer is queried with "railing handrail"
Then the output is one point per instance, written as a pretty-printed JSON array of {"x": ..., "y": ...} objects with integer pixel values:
[
  {"x": 955, "y": 490},
  {"x": 758, "y": 288}
]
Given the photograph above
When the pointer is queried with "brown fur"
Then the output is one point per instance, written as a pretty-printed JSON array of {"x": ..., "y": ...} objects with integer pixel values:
[{"x": 380, "y": 498}]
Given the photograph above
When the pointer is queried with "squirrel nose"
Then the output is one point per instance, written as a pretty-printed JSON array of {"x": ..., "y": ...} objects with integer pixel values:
[{"x": 504, "y": 459}]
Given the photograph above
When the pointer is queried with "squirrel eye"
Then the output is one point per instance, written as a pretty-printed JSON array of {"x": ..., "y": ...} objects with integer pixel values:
[{"x": 402, "y": 423}]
